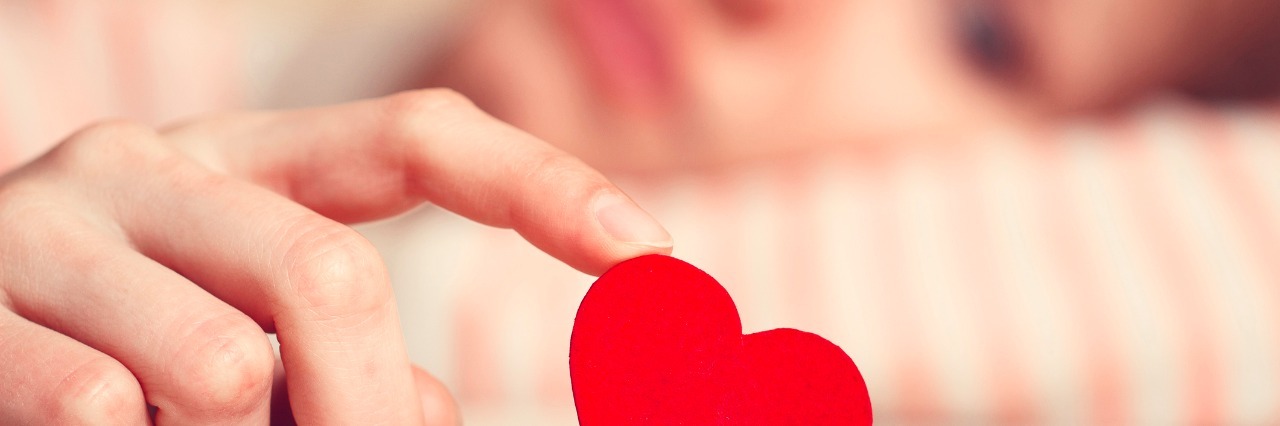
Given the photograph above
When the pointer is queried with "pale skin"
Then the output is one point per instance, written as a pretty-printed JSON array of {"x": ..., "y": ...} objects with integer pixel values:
[
  {"x": 142, "y": 266},
  {"x": 125, "y": 287}
]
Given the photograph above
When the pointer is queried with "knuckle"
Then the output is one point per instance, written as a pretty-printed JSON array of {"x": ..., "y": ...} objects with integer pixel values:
[
  {"x": 108, "y": 143},
  {"x": 35, "y": 219},
  {"x": 334, "y": 272},
  {"x": 416, "y": 102},
  {"x": 20, "y": 202},
  {"x": 407, "y": 111},
  {"x": 227, "y": 370},
  {"x": 99, "y": 389},
  {"x": 109, "y": 130}
]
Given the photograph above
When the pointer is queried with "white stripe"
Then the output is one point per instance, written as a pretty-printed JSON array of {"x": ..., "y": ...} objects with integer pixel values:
[
  {"x": 760, "y": 303},
  {"x": 680, "y": 206},
  {"x": 24, "y": 108}
]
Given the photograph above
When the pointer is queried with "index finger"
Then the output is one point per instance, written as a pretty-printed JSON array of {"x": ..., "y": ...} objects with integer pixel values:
[{"x": 373, "y": 159}]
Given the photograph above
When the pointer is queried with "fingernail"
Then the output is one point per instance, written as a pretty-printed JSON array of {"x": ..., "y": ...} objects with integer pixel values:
[{"x": 626, "y": 222}]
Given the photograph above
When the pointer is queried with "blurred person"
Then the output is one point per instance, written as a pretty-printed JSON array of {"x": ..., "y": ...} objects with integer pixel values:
[{"x": 896, "y": 176}]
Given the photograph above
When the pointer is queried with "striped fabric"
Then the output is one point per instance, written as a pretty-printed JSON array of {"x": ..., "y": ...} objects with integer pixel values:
[
  {"x": 1123, "y": 271},
  {"x": 1120, "y": 271},
  {"x": 64, "y": 63}
]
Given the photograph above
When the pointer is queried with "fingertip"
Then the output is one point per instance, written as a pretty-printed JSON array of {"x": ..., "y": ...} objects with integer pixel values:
[
  {"x": 623, "y": 253},
  {"x": 598, "y": 260},
  {"x": 629, "y": 224},
  {"x": 438, "y": 405},
  {"x": 624, "y": 230}
]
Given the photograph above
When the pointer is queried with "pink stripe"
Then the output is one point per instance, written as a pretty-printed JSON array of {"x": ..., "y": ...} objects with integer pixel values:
[
  {"x": 476, "y": 353},
  {"x": 1203, "y": 360},
  {"x": 1108, "y": 389},
  {"x": 127, "y": 36},
  {"x": 798, "y": 240},
  {"x": 475, "y": 356},
  {"x": 66, "y": 82},
  {"x": 552, "y": 384}
]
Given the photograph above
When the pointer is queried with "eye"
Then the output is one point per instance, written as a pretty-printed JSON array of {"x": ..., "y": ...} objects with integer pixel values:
[{"x": 988, "y": 38}]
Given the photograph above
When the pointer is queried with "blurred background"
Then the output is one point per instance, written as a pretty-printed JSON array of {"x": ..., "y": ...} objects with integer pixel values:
[{"x": 1006, "y": 212}]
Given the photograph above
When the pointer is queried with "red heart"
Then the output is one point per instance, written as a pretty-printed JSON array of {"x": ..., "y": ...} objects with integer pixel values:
[{"x": 659, "y": 342}]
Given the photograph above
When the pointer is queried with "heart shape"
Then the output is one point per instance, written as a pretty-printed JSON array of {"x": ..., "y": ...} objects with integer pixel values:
[{"x": 659, "y": 342}]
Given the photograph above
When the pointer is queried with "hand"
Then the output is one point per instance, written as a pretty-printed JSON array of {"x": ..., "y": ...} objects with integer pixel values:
[{"x": 143, "y": 267}]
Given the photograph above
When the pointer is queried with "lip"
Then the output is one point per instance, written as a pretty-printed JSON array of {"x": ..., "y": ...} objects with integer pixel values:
[{"x": 621, "y": 49}]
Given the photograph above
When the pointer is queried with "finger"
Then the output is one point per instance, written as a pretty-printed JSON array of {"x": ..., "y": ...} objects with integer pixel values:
[
  {"x": 320, "y": 285},
  {"x": 438, "y": 404},
  {"x": 198, "y": 360},
  {"x": 372, "y": 159},
  {"x": 51, "y": 379}
]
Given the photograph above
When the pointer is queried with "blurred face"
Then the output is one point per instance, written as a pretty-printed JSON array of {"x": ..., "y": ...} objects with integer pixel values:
[
  {"x": 651, "y": 84},
  {"x": 1079, "y": 54}
]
